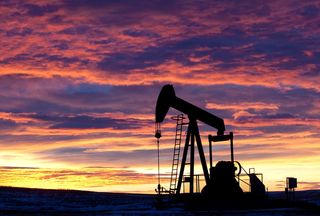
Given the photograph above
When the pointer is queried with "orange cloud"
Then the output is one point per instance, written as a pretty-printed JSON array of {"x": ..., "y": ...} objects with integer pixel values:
[{"x": 243, "y": 106}]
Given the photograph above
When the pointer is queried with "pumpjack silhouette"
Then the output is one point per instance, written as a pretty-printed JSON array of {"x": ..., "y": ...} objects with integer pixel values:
[
  {"x": 222, "y": 181},
  {"x": 227, "y": 185}
]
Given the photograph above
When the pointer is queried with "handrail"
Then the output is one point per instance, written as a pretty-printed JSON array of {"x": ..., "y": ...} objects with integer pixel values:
[{"x": 244, "y": 182}]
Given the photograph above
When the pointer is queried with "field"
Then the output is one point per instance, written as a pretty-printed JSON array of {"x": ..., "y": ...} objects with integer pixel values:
[{"x": 22, "y": 201}]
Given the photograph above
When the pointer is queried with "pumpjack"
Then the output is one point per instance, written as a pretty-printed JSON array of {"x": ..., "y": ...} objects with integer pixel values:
[{"x": 222, "y": 180}]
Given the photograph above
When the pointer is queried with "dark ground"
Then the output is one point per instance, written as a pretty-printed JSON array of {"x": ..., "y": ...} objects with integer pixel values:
[{"x": 22, "y": 201}]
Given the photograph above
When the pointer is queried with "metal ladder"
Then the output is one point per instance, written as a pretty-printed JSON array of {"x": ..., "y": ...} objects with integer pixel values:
[{"x": 176, "y": 153}]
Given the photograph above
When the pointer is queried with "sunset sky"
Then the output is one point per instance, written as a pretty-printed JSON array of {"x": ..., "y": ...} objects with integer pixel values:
[{"x": 79, "y": 82}]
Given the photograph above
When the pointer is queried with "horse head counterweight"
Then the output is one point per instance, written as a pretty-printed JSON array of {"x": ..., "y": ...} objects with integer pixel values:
[{"x": 167, "y": 98}]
